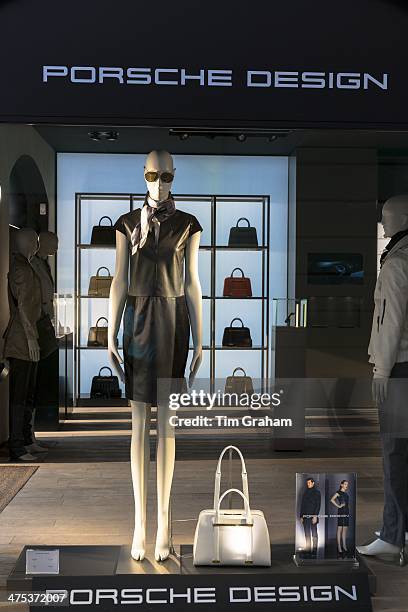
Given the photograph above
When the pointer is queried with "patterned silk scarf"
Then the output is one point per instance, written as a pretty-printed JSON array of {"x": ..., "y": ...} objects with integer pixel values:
[{"x": 149, "y": 215}]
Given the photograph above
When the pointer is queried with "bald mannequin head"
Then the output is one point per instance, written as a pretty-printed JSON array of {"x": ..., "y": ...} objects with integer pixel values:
[
  {"x": 25, "y": 242},
  {"x": 395, "y": 215},
  {"x": 48, "y": 244},
  {"x": 160, "y": 162}
]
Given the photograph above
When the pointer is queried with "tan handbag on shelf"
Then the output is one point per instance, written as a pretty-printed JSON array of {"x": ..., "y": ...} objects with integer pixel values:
[
  {"x": 239, "y": 384},
  {"x": 99, "y": 286},
  {"x": 98, "y": 336}
]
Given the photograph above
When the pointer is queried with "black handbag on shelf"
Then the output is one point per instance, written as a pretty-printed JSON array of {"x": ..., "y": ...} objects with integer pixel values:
[
  {"x": 98, "y": 336},
  {"x": 243, "y": 236},
  {"x": 239, "y": 384},
  {"x": 103, "y": 235},
  {"x": 105, "y": 387},
  {"x": 237, "y": 336}
]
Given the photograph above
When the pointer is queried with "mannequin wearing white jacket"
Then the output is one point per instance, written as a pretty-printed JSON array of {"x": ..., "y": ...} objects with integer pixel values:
[{"x": 388, "y": 352}]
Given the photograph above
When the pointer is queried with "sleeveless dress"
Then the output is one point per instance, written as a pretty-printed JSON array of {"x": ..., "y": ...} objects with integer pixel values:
[
  {"x": 343, "y": 498},
  {"x": 156, "y": 328}
]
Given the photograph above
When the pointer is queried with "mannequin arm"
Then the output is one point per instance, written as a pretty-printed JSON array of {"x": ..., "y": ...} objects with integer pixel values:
[
  {"x": 193, "y": 293},
  {"x": 391, "y": 325},
  {"x": 117, "y": 298},
  {"x": 21, "y": 289}
]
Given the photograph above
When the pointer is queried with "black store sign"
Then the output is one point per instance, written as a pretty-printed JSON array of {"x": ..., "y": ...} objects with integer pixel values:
[
  {"x": 212, "y": 593},
  {"x": 205, "y": 63}
]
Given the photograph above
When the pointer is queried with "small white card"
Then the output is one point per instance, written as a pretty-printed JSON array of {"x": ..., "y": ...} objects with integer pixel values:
[{"x": 42, "y": 561}]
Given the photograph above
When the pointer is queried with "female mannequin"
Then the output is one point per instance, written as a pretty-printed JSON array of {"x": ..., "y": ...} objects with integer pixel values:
[{"x": 159, "y": 311}]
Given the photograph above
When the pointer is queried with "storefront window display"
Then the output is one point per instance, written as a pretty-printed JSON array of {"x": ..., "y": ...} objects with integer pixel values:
[{"x": 203, "y": 307}]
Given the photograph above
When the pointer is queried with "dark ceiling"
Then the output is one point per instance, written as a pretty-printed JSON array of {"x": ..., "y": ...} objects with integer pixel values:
[{"x": 72, "y": 139}]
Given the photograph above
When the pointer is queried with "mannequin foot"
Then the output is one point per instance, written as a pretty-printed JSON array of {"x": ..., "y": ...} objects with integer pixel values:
[
  {"x": 26, "y": 457},
  {"x": 138, "y": 545},
  {"x": 378, "y": 547},
  {"x": 378, "y": 533},
  {"x": 162, "y": 549},
  {"x": 34, "y": 447}
]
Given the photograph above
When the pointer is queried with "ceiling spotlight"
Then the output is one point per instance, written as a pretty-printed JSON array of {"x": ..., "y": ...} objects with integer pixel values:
[
  {"x": 272, "y": 138},
  {"x": 111, "y": 136},
  {"x": 241, "y": 137},
  {"x": 184, "y": 135},
  {"x": 98, "y": 135}
]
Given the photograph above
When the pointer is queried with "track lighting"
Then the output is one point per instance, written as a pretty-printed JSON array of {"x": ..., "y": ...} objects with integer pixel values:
[{"x": 98, "y": 135}]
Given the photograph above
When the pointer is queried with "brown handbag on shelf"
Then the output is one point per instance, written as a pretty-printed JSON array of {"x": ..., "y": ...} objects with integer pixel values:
[
  {"x": 237, "y": 286},
  {"x": 99, "y": 286},
  {"x": 237, "y": 336},
  {"x": 98, "y": 336},
  {"x": 239, "y": 384},
  {"x": 103, "y": 235}
]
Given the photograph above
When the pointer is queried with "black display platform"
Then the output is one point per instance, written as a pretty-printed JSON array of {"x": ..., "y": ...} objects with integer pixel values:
[
  {"x": 74, "y": 561},
  {"x": 116, "y": 560},
  {"x": 282, "y": 563}
]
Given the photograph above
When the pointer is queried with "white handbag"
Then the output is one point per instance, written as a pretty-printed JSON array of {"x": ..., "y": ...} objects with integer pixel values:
[{"x": 231, "y": 537}]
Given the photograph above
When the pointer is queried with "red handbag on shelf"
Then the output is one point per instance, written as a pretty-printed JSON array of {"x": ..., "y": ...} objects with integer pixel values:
[{"x": 237, "y": 286}]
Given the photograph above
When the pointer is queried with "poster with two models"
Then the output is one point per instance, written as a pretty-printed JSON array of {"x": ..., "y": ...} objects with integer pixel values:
[{"x": 325, "y": 518}]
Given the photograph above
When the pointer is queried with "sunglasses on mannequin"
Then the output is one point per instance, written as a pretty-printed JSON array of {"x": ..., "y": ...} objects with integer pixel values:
[{"x": 152, "y": 177}]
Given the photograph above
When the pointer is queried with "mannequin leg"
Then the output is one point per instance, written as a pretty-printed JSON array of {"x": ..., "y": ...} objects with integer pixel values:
[
  {"x": 19, "y": 383},
  {"x": 344, "y": 538},
  {"x": 165, "y": 458},
  {"x": 339, "y": 549},
  {"x": 139, "y": 462}
]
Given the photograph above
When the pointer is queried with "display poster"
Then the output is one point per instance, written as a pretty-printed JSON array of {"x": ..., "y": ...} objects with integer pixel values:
[{"x": 325, "y": 517}]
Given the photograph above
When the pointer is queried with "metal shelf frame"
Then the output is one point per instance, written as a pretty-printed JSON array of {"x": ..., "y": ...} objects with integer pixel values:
[{"x": 136, "y": 200}]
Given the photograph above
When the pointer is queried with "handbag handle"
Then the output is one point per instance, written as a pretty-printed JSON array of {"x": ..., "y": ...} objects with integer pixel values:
[
  {"x": 243, "y": 219},
  {"x": 102, "y": 318},
  {"x": 248, "y": 515},
  {"x": 244, "y": 475},
  {"x": 106, "y": 217},
  {"x": 242, "y": 370},
  {"x": 103, "y": 268},
  {"x": 249, "y": 522},
  {"x": 105, "y": 368},
  {"x": 237, "y": 319},
  {"x": 240, "y": 269}
]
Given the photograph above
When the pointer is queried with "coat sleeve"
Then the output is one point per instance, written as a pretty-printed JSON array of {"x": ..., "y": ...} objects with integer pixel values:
[
  {"x": 21, "y": 285},
  {"x": 318, "y": 501},
  {"x": 392, "y": 316}
]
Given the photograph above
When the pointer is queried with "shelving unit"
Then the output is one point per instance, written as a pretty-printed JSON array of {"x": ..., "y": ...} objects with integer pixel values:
[{"x": 97, "y": 205}]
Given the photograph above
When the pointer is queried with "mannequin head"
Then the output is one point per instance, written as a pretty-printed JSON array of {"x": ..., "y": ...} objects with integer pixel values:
[
  {"x": 48, "y": 244},
  {"x": 395, "y": 215},
  {"x": 160, "y": 163},
  {"x": 26, "y": 243}
]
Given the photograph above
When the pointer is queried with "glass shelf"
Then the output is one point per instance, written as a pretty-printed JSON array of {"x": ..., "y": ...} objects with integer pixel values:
[
  {"x": 96, "y": 348},
  {"x": 202, "y": 247}
]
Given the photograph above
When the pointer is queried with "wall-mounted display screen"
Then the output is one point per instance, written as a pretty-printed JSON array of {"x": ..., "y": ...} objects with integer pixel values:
[{"x": 335, "y": 269}]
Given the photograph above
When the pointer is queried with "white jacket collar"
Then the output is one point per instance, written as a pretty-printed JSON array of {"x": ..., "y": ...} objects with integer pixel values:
[{"x": 401, "y": 244}]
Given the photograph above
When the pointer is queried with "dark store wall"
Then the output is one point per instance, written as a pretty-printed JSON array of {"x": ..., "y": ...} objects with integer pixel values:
[{"x": 336, "y": 212}]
